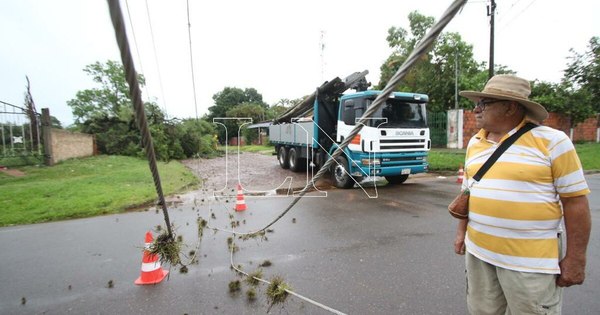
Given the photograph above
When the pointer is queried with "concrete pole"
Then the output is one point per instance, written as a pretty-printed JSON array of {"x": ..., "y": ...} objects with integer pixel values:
[{"x": 47, "y": 137}]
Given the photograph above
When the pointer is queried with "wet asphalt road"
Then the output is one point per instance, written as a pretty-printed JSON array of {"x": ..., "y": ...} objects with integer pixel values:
[{"x": 386, "y": 255}]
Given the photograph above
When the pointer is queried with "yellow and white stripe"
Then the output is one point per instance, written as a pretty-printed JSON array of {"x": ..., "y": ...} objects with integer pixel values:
[{"x": 515, "y": 211}]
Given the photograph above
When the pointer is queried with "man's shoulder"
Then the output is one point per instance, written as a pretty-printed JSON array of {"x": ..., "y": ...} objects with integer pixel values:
[{"x": 548, "y": 133}]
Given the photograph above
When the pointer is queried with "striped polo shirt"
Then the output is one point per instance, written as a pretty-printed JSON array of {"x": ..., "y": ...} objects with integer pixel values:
[{"x": 515, "y": 210}]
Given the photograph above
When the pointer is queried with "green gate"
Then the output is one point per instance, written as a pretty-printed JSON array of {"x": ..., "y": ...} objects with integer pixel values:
[{"x": 437, "y": 128}]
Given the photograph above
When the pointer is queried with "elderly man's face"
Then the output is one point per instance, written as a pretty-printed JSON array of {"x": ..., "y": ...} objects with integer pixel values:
[{"x": 487, "y": 111}]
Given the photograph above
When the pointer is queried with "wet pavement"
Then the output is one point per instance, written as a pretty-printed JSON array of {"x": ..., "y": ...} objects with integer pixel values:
[{"x": 381, "y": 250}]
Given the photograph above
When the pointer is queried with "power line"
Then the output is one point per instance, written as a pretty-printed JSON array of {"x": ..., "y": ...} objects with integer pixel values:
[
  {"x": 156, "y": 60},
  {"x": 508, "y": 10},
  {"x": 137, "y": 50},
  {"x": 519, "y": 14},
  {"x": 191, "y": 56}
]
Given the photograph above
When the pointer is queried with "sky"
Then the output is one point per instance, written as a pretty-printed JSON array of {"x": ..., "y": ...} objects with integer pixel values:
[{"x": 283, "y": 49}]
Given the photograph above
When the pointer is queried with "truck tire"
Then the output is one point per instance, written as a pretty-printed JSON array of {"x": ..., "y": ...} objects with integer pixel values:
[
  {"x": 394, "y": 180},
  {"x": 282, "y": 157},
  {"x": 341, "y": 176},
  {"x": 295, "y": 162}
]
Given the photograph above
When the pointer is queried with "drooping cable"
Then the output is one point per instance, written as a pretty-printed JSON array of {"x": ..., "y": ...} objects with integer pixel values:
[
  {"x": 162, "y": 91},
  {"x": 136, "y": 98},
  {"x": 191, "y": 57},
  {"x": 517, "y": 15},
  {"x": 137, "y": 48},
  {"x": 420, "y": 49}
]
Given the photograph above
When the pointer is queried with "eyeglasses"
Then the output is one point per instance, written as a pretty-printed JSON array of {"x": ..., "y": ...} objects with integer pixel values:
[{"x": 482, "y": 104}]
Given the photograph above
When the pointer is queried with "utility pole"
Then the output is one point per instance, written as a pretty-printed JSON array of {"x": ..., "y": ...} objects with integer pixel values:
[
  {"x": 491, "y": 13},
  {"x": 456, "y": 79}
]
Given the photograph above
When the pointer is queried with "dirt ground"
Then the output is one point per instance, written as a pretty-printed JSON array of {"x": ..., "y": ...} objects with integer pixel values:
[{"x": 257, "y": 172}]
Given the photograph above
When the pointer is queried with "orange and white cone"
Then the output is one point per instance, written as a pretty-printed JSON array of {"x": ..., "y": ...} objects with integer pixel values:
[
  {"x": 240, "y": 203},
  {"x": 461, "y": 175},
  {"x": 151, "y": 270}
]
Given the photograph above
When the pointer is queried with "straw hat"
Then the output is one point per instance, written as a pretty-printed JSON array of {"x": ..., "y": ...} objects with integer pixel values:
[{"x": 511, "y": 88}]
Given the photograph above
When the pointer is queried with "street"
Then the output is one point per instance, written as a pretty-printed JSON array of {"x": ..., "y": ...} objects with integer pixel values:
[{"x": 391, "y": 254}]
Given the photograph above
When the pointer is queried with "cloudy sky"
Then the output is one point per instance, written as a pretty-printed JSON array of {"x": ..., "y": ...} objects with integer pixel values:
[{"x": 272, "y": 46}]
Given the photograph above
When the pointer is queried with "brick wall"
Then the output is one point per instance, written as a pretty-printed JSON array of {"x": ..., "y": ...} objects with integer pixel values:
[
  {"x": 67, "y": 145},
  {"x": 234, "y": 141},
  {"x": 584, "y": 131}
]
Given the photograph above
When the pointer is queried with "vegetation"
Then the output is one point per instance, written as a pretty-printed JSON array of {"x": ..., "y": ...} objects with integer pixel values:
[
  {"x": 450, "y": 160},
  {"x": 107, "y": 112},
  {"x": 262, "y": 149},
  {"x": 85, "y": 187},
  {"x": 435, "y": 73},
  {"x": 577, "y": 95},
  {"x": 248, "y": 106},
  {"x": 441, "y": 160},
  {"x": 589, "y": 154}
]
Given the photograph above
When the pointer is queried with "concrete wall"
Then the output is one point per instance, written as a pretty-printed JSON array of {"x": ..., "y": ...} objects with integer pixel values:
[
  {"x": 584, "y": 131},
  {"x": 66, "y": 145}
]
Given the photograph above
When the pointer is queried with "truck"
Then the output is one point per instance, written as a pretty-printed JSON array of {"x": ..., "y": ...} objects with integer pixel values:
[{"x": 393, "y": 143}]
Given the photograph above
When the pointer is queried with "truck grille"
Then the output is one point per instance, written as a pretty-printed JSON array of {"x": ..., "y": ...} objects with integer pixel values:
[{"x": 402, "y": 144}]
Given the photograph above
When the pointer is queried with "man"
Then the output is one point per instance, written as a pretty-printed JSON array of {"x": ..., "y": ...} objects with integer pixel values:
[{"x": 512, "y": 239}]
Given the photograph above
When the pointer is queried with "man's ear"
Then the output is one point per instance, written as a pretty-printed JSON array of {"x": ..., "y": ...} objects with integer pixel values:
[{"x": 513, "y": 108}]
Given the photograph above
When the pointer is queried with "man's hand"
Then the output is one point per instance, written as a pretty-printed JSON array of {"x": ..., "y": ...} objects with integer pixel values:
[
  {"x": 572, "y": 272},
  {"x": 459, "y": 239},
  {"x": 578, "y": 224}
]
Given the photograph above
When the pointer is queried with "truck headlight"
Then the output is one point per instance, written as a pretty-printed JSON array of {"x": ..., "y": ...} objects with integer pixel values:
[{"x": 370, "y": 162}]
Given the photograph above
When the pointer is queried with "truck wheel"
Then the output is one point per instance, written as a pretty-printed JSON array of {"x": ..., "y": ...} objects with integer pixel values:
[
  {"x": 294, "y": 160},
  {"x": 341, "y": 176},
  {"x": 393, "y": 180},
  {"x": 282, "y": 156}
]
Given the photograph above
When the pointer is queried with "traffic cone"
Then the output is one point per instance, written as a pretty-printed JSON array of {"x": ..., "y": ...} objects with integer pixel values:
[
  {"x": 461, "y": 175},
  {"x": 151, "y": 270},
  {"x": 240, "y": 203}
]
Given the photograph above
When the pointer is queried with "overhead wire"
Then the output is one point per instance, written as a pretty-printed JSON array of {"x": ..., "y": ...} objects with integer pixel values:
[
  {"x": 419, "y": 50},
  {"x": 137, "y": 49},
  {"x": 156, "y": 60},
  {"x": 136, "y": 98},
  {"x": 191, "y": 57},
  {"x": 517, "y": 15},
  {"x": 508, "y": 10}
]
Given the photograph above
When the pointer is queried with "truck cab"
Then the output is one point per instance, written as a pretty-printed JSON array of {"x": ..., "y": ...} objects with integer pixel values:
[{"x": 393, "y": 143}]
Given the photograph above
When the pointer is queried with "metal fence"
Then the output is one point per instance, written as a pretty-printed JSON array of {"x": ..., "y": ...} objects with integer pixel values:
[
  {"x": 20, "y": 142},
  {"x": 438, "y": 122}
]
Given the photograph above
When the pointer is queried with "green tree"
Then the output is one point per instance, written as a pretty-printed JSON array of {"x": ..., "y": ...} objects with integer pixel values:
[
  {"x": 584, "y": 73},
  {"x": 563, "y": 98},
  {"x": 256, "y": 112},
  {"x": 231, "y": 97},
  {"x": 228, "y": 99},
  {"x": 436, "y": 72},
  {"x": 111, "y": 99},
  {"x": 107, "y": 113}
]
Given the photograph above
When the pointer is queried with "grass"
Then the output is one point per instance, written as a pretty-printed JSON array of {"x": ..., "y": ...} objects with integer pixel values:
[
  {"x": 14, "y": 161},
  {"x": 85, "y": 187},
  {"x": 589, "y": 154},
  {"x": 262, "y": 149},
  {"x": 450, "y": 160},
  {"x": 445, "y": 159}
]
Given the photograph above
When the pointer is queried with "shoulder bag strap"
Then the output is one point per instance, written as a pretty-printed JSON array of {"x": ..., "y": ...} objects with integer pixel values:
[{"x": 503, "y": 146}]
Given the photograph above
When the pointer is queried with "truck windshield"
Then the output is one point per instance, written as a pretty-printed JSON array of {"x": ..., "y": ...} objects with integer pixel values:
[{"x": 398, "y": 114}]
